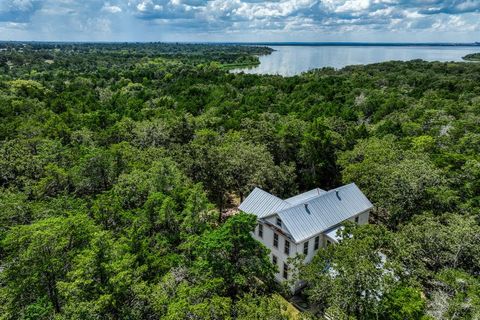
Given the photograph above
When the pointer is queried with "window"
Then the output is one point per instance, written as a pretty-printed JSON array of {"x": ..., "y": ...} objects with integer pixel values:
[
  {"x": 356, "y": 219},
  {"x": 317, "y": 243},
  {"x": 287, "y": 247},
  {"x": 275, "y": 240},
  {"x": 279, "y": 222},
  {"x": 260, "y": 230},
  {"x": 305, "y": 248},
  {"x": 329, "y": 242},
  {"x": 274, "y": 260},
  {"x": 285, "y": 270}
]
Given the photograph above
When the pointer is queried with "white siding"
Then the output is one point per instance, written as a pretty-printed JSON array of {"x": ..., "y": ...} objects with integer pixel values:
[
  {"x": 311, "y": 246},
  {"x": 362, "y": 217},
  {"x": 267, "y": 240}
]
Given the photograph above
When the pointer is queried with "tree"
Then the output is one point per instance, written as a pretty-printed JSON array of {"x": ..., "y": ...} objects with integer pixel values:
[
  {"x": 263, "y": 307},
  {"x": 318, "y": 155},
  {"x": 37, "y": 257},
  {"x": 456, "y": 296},
  {"x": 94, "y": 172},
  {"x": 104, "y": 283},
  {"x": 399, "y": 183},
  {"x": 231, "y": 253},
  {"x": 432, "y": 243},
  {"x": 229, "y": 164},
  {"x": 354, "y": 274},
  {"x": 403, "y": 303}
]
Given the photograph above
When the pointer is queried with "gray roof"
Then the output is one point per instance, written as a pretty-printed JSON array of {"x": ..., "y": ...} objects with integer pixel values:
[
  {"x": 322, "y": 212},
  {"x": 262, "y": 203},
  {"x": 332, "y": 233},
  {"x": 301, "y": 198}
]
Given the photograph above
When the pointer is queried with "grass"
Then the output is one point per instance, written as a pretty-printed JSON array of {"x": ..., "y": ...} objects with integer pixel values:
[{"x": 290, "y": 311}]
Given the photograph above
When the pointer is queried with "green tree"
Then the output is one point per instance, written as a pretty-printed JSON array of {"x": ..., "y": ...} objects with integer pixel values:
[
  {"x": 399, "y": 183},
  {"x": 354, "y": 274},
  {"x": 403, "y": 303},
  {"x": 37, "y": 257},
  {"x": 231, "y": 253}
]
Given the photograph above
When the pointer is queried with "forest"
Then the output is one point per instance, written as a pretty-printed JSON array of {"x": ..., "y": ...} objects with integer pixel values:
[
  {"x": 472, "y": 57},
  {"x": 121, "y": 163}
]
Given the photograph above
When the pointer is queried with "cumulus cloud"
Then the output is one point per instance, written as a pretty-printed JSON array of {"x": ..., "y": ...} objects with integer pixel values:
[
  {"x": 244, "y": 16},
  {"x": 18, "y": 10}
]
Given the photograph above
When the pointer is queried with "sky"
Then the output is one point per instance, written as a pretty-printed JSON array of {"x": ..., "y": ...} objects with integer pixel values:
[{"x": 241, "y": 20}]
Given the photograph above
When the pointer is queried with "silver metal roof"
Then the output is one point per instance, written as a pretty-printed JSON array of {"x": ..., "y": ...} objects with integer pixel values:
[
  {"x": 332, "y": 233},
  {"x": 301, "y": 198},
  {"x": 321, "y": 213},
  {"x": 262, "y": 203},
  {"x": 309, "y": 213}
]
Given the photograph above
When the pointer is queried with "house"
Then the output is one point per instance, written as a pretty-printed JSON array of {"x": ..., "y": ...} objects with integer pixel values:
[{"x": 304, "y": 223}]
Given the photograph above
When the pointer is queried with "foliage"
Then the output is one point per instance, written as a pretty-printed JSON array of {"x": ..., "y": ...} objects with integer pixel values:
[{"x": 118, "y": 162}]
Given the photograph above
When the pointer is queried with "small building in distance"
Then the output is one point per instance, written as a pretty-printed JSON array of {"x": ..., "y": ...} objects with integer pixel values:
[{"x": 304, "y": 223}]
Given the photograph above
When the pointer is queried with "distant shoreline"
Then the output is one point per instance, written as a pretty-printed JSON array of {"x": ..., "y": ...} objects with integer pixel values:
[
  {"x": 305, "y": 44},
  {"x": 358, "y": 44}
]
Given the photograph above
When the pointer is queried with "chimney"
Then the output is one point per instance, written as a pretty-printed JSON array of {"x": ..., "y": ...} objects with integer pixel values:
[{"x": 338, "y": 195}]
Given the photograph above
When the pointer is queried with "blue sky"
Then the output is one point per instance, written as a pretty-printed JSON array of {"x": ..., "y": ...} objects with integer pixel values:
[{"x": 241, "y": 20}]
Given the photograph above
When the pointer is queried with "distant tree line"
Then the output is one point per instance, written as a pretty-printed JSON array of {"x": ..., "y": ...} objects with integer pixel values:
[{"x": 117, "y": 161}]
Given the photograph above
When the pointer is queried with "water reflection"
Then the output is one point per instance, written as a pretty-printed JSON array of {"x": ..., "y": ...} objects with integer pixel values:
[{"x": 291, "y": 60}]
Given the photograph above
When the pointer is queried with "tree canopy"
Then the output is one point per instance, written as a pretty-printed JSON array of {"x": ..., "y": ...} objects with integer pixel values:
[{"x": 120, "y": 165}]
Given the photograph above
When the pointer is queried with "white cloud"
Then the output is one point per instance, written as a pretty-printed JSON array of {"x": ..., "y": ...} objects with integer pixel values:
[
  {"x": 111, "y": 9},
  {"x": 354, "y": 5},
  {"x": 81, "y": 18}
]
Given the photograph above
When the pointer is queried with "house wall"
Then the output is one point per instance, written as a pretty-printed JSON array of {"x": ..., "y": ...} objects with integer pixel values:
[
  {"x": 362, "y": 218},
  {"x": 311, "y": 246},
  {"x": 267, "y": 240}
]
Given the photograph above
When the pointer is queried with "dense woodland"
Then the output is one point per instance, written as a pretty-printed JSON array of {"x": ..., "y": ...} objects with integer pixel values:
[
  {"x": 118, "y": 162},
  {"x": 472, "y": 57}
]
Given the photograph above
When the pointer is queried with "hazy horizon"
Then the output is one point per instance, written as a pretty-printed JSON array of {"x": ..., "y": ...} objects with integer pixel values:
[{"x": 266, "y": 43}]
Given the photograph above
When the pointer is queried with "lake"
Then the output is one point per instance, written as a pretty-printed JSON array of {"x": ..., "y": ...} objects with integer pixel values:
[{"x": 288, "y": 60}]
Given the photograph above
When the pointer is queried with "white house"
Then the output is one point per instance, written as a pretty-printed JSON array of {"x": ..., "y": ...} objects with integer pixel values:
[{"x": 304, "y": 223}]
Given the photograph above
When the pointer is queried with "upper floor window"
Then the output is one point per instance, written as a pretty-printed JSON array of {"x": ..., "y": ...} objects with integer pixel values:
[
  {"x": 356, "y": 219},
  {"x": 275, "y": 240},
  {"x": 287, "y": 247},
  {"x": 317, "y": 243},
  {"x": 305, "y": 248},
  {"x": 285, "y": 270},
  {"x": 279, "y": 222},
  {"x": 260, "y": 230},
  {"x": 274, "y": 259}
]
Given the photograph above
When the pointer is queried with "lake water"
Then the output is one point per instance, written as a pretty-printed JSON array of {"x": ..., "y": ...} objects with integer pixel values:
[{"x": 292, "y": 60}]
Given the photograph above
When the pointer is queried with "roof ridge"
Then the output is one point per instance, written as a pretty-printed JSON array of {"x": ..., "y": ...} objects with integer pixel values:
[
  {"x": 269, "y": 194},
  {"x": 316, "y": 197}
]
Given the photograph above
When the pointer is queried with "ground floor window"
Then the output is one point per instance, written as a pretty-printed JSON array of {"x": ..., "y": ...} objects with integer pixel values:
[
  {"x": 285, "y": 270},
  {"x": 274, "y": 259}
]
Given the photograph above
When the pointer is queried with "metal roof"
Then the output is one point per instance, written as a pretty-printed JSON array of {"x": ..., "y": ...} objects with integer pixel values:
[
  {"x": 262, "y": 203},
  {"x": 311, "y": 212},
  {"x": 321, "y": 213},
  {"x": 301, "y": 198},
  {"x": 332, "y": 233}
]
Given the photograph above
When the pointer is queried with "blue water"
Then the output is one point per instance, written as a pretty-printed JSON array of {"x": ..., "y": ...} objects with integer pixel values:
[{"x": 291, "y": 60}]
